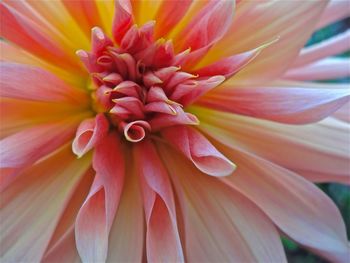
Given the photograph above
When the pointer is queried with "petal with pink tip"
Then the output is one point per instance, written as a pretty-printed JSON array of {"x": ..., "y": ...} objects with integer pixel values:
[
  {"x": 203, "y": 86},
  {"x": 34, "y": 203},
  {"x": 332, "y": 46},
  {"x": 293, "y": 205},
  {"x": 162, "y": 236},
  {"x": 26, "y": 82},
  {"x": 282, "y": 104},
  {"x": 220, "y": 225},
  {"x": 199, "y": 150},
  {"x": 122, "y": 20},
  {"x": 161, "y": 121},
  {"x": 96, "y": 216},
  {"x": 90, "y": 132},
  {"x": 328, "y": 68}
]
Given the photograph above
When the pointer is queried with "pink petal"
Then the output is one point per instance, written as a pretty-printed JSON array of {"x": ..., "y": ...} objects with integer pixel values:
[
  {"x": 28, "y": 146},
  {"x": 96, "y": 216},
  {"x": 26, "y": 82},
  {"x": 308, "y": 150},
  {"x": 161, "y": 121},
  {"x": 335, "y": 11},
  {"x": 296, "y": 206},
  {"x": 162, "y": 237},
  {"x": 62, "y": 244},
  {"x": 203, "y": 86},
  {"x": 122, "y": 20},
  {"x": 289, "y": 22},
  {"x": 169, "y": 14},
  {"x": 126, "y": 240},
  {"x": 199, "y": 150},
  {"x": 208, "y": 26},
  {"x": 281, "y": 104},
  {"x": 332, "y": 46},
  {"x": 329, "y": 68},
  {"x": 228, "y": 66},
  {"x": 90, "y": 132},
  {"x": 32, "y": 37},
  {"x": 34, "y": 203},
  {"x": 219, "y": 225}
]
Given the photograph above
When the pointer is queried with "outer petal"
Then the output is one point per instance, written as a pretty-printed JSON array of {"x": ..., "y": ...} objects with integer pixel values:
[
  {"x": 162, "y": 237},
  {"x": 35, "y": 38},
  {"x": 332, "y": 46},
  {"x": 319, "y": 149},
  {"x": 169, "y": 14},
  {"x": 282, "y": 104},
  {"x": 126, "y": 241},
  {"x": 11, "y": 53},
  {"x": 298, "y": 207},
  {"x": 32, "y": 206},
  {"x": 26, "y": 82},
  {"x": 28, "y": 146},
  {"x": 96, "y": 216},
  {"x": 220, "y": 225},
  {"x": 329, "y": 68},
  {"x": 85, "y": 13},
  {"x": 62, "y": 246},
  {"x": 17, "y": 115},
  {"x": 199, "y": 150},
  {"x": 89, "y": 134},
  {"x": 287, "y": 20},
  {"x": 335, "y": 10},
  {"x": 207, "y": 27}
]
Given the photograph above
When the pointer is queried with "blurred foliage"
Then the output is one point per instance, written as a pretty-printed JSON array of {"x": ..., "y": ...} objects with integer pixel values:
[{"x": 340, "y": 194}]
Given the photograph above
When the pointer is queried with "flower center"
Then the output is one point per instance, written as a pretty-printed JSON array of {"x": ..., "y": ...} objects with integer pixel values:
[{"x": 138, "y": 84}]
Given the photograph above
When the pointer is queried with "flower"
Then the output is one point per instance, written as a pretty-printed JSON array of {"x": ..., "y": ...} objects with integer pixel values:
[{"x": 195, "y": 129}]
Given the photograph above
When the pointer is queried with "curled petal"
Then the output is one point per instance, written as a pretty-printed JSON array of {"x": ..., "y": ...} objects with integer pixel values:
[
  {"x": 199, "y": 150},
  {"x": 89, "y": 134},
  {"x": 282, "y": 104},
  {"x": 96, "y": 215},
  {"x": 136, "y": 131}
]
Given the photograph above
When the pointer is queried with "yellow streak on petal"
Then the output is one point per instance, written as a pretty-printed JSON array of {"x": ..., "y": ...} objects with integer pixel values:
[
  {"x": 106, "y": 10},
  {"x": 145, "y": 10}
]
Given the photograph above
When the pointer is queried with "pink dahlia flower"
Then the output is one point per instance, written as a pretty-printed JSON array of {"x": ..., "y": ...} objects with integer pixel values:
[{"x": 170, "y": 131}]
